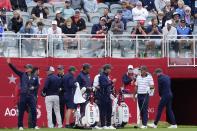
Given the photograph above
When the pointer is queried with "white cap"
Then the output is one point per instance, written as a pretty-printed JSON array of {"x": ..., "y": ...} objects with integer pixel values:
[
  {"x": 51, "y": 68},
  {"x": 54, "y": 22},
  {"x": 58, "y": 11},
  {"x": 130, "y": 66},
  {"x": 168, "y": 22}
]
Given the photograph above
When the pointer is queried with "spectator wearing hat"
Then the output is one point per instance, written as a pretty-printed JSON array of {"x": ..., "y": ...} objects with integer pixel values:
[
  {"x": 175, "y": 19},
  {"x": 128, "y": 80},
  {"x": 77, "y": 4},
  {"x": 58, "y": 17},
  {"x": 144, "y": 83},
  {"x": 106, "y": 15},
  {"x": 160, "y": 4},
  {"x": 165, "y": 93},
  {"x": 51, "y": 90},
  {"x": 180, "y": 8},
  {"x": 69, "y": 90},
  {"x": 183, "y": 31},
  {"x": 78, "y": 21},
  {"x": 100, "y": 28},
  {"x": 85, "y": 84},
  {"x": 56, "y": 32},
  {"x": 126, "y": 13},
  {"x": 105, "y": 102},
  {"x": 69, "y": 29},
  {"x": 68, "y": 11},
  {"x": 117, "y": 26},
  {"x": 39, "y": 12},
  {"x": 28, "y": 85},
  {"x": 139, "y": 13},
  {"x": 16, "y": 22},
  {"x": 60, "y": 74},
  {"x": 19, "y": 5}
]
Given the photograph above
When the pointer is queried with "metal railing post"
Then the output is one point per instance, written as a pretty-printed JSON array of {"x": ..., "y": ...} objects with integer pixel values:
[{"x": 20, "y": 46}]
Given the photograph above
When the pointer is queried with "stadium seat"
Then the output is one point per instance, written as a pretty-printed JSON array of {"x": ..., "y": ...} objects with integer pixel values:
[
  {"x": 89, "y": 27},
  {"x": 101, "y": 7},
  {"x": 30, "y": 7},
  {"x": 130, "y": 25},
  {"x": 111, "y": 15},
  {"x": 84, "y": 16},
  {"x": 51, "y": 16},
  {"x": 50, "y": 8},
  {"x": 25, "y": 16},
  {"x": 58, "y": 6},
  {"x": 115, "y": 7},
  {"x": 94, "y": 18},
  {"x": 9, "y": 16}
]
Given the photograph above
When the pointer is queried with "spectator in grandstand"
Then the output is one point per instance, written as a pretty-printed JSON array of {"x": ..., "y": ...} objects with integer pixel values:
[
  {"x": 40, "y": 28},
  {"x": 67, "y": 11},
  {"x": 154, "y": 30},
  {"x": 101, "y": 27},
  {"x": 126, "y": 13},
  {"x": 16, "y": 22},
  {"x": 69, "y": 88},
  {"x": 175, "y": 19},
  {"x": 180, "y": 8},
  {"x": 174, "y": 3},
  {"x": 105, "y": 106},
  {"x": 130, "y": 3},
  {"x": 28, "y": 43},
  {"x": 144, "y": 83},
  {"x": 117, "y": 26},
  {"x": 51, "y": 90},
  {"x": 160, "y": 4},
  {"x": 78, "y": 21},
  {"x": 149, "y": 5},
  {"x": 119, "y": 13},
  {"x": 19, "y": 5},
  {"x": 2, "y": 17},
  {"x": 39, "y": 12},
  {"x": 77, "y": 4},
  {"x": 139, "y": 13},
  {"x": 109, "y": 20},
  {"x": 139, "y": 29},
  {"x": 188, "y": 17},
  {"x": 90, "y": 6},
  {"x": 168, "y": 11},
  {"x": 71, "y": 29},
  {"x": 170, "y": 33},
  {"x": 5, "y": 4},
  {"x": 58, "y": 17},
  {"x": 160, "y": 20}
]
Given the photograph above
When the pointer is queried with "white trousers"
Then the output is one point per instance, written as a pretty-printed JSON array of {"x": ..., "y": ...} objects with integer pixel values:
[{"x": 52, "y": 102}]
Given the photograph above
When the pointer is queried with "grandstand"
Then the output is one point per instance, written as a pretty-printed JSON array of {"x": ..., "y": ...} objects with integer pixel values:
[{"x": 120, "y": 32}]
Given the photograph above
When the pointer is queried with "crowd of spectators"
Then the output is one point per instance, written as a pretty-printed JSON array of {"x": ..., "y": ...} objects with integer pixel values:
[{"x": 166, "y": 17}]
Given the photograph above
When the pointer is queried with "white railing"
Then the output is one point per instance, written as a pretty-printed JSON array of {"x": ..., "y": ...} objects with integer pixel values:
[{"x": 179, "y": 51}]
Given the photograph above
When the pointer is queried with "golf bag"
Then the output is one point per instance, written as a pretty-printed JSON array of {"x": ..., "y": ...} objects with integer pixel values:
[
  {"x": 91, "y": 117},
  {"x": 120, "y": 111}
]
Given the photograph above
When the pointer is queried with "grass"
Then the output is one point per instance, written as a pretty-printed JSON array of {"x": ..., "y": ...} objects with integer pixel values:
[{"x": 161, "y": 127}]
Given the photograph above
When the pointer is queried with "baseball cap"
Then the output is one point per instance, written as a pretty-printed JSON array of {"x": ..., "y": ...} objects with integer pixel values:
[
  {"x": 28, "y": 66},
  {"x": 130, "y": 66},
  {"x": 176, "y": 13},
  {"x": 60, "y": 67},
  {"x": 139, "y": 3},
  {"x": 54, "y": 22},
  {"x": 72, "y": 68},
  {"x": 103, "y": 19},
  {"x": 50, "y": 68},
  {"x": 143, "y": 67},
  {"x": 58, "y": 12},
  {"x": 182, "y": 21},
  {"x": 86, "y": 66},
  {"x": 77, "y": 11},
  {"x": 116, "y": 17},
  {"x": 158, "y": 70},
  {"x": 107, "y": 66},
  {"x": 168, "y": 22}
]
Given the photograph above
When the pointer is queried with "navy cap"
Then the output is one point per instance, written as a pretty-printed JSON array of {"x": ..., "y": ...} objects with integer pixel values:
[
  {"x": 86, "y": 66},
  {"x": 28, "y": 66},
  {"x": 107, "y": 66}
]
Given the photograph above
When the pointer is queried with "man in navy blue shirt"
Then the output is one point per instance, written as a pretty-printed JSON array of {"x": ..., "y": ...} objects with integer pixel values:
[
  {"x": 164, "y": 85},
  {"x": 69, "y": 91},
  {"x": 28, "y": 85},
  {"x": 85, "y": 84},
  {"x": 105, "y": 102}
]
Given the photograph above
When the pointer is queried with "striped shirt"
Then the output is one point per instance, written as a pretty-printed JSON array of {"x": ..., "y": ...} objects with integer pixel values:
[{"x": 144, "y": 83}]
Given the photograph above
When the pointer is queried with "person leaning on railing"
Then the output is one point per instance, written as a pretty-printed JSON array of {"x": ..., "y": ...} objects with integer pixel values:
[{"x": 16, "y": 22}]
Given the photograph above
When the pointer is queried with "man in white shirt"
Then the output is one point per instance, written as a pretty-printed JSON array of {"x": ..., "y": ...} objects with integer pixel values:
[
  {"x": 144, "y": 83},
  {"x": 139, "y": 13},
  {"x": 55, "y": 38}
]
